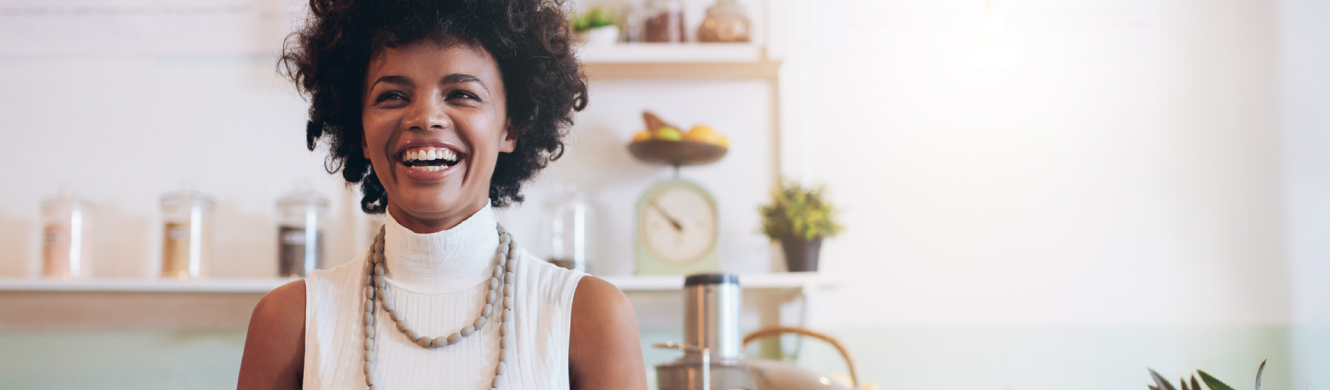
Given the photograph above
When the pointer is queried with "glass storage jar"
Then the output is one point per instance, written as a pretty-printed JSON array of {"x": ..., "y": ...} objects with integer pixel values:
[
  {"x": 664, "y": 22},
  {"x": 300, "y": 233},
  {"x": 186, "y": 235},
  {"x": 567, "y": 220},
  {"x": 726, "y": 22},
  {"x": 65, "y": 249}
]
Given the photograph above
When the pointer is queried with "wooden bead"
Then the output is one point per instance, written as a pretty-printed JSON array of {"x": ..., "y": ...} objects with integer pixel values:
[
  {"x": 480, "y": 322},
  {"x": 369, "y": 292},
  {"x": 376, "y": 258},
  {"x": 503, "y": 369},
  {"x": 489, "y": 308},
  {"x": 512, "y": 262},
  {"x": 440, "y": 341},
  {"x": 498, "y": 271},
  {"x": 468, "y": 330},
  {"x": 503, "y": 342},
  {"x": 369, "y": 319},
  {"x": 369, "y": 345},
  {"x": 425, "y": 342},
  {"x": 509, "y": 278},
  {"x": 494, "y": 384},
  {"x": 410, "y": 334},
  {"x": 379, "y": 269},
  {"x": 494, "y": 283},
  {"x": 380, "y": 282},
  {"x": 507, "y": 290},
  {"x": 507, "y": 302},
  {"x": 454, "y": 338},
  {"x": 490, "y": 298},
  {"x": 401, "y": 325},
  {"x": 369, "y": 332},
  {"x": 507, "y": 315}
]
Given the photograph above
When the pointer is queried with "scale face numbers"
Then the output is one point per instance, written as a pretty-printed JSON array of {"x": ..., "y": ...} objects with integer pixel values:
[{"x": 677, "y": 226}]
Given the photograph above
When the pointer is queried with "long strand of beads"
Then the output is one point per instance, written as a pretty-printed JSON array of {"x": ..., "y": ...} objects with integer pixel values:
[{"x": 501, "y": 284}]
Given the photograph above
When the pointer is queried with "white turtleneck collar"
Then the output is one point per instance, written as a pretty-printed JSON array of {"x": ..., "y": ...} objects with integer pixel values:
[{"x": 448, "y": 261}]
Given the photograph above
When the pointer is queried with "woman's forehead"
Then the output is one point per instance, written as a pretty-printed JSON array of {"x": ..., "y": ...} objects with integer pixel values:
[{"x": 430, "y": 60}]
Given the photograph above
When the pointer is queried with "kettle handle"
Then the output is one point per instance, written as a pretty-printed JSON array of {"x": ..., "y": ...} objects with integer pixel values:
[{"x": 772, "y": 331}]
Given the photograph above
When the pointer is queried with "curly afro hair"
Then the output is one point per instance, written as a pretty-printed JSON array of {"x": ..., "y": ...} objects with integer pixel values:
[{"x": 528, "y": 39}]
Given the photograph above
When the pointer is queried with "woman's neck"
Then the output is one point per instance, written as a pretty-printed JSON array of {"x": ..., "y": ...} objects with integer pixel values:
[{"x": 426, "y": 223}]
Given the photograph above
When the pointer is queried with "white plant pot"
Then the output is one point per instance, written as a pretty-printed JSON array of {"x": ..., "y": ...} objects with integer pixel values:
[{"x": 607, "y": 35}]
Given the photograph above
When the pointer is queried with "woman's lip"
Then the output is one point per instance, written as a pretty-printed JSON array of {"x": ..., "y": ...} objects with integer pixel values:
[{"x": 423, "y": 176}]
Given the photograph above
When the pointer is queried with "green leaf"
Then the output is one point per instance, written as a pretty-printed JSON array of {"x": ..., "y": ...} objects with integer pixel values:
[
  {"x": 1194, "y": 384},
  {"x": 1160, "y": 382},
  {"x": 1214, "y": 384},
  {"x": 1259, "y": 372}
]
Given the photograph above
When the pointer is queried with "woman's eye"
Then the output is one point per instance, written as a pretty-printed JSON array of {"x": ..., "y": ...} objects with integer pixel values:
[
  {"x": 390, "y": 95},
  {"x": 462, "y": 95}
]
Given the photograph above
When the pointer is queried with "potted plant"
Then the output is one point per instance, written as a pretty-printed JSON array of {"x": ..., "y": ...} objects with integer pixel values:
[
  {"x": 596, "y": 27},
  {"x": 799, "y": 218}
]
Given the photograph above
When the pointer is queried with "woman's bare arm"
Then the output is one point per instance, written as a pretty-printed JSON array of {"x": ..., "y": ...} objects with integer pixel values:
[
  {"x": 275, "y": 345},
  {"x": 604, "y": 349}
]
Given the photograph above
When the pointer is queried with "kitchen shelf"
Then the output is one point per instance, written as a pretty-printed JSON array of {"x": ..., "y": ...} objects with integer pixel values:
[
  {"x": 791, "y": 280},
  {"x": 670, "y": 53},
  {"x": 787, "y": 280},
  {"x": 253, "y": 286}
]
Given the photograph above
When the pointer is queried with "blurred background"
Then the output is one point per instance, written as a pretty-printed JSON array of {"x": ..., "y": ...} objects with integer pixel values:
[{"x": 1036, "y": 194}]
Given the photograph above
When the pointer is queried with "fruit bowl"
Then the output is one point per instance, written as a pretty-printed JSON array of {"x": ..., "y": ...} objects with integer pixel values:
[{"x": 676, "y": 153}]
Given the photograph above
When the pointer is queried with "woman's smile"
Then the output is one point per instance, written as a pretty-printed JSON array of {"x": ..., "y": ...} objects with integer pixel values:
[{"x": 429, "y": 160}]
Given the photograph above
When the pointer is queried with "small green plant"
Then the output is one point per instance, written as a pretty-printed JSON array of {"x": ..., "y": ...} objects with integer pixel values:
[
  {"x": 1210, "y": 381},
  {"x": 595, "y": 18},
  {"x": 797, "y": 211}
]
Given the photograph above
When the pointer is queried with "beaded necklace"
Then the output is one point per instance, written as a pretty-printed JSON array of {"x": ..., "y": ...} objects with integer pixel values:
[{"x": 376, "y": 290}]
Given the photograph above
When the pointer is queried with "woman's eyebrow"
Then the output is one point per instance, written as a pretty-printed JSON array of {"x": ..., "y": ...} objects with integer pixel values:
[
  {"x": 393, "y": 79},
  {"x": 458, "y": 78}
]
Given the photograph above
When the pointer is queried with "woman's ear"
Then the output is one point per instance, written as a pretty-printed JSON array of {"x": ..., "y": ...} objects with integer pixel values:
[
  {"x": 509, "y": 142},
  {"x": 364, "y": 145}
]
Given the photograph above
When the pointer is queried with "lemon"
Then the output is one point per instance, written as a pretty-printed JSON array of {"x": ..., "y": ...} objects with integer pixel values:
[
  {"x": 643, "y": 135},
  {"x": 668, "y": 134},
  {"x": 706, "y": 134}
]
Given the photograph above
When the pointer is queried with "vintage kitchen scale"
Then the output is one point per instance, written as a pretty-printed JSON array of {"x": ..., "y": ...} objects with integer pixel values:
[
  {"x": 677, "y": 233},
  {"x": 677, "y": 223}
]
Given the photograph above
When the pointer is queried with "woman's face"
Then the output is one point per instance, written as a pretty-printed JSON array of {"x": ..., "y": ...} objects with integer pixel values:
[{"x": 435, "y": 122}]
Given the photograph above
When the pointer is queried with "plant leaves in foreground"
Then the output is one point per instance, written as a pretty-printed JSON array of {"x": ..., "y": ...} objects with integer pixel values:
[
  {"x": 1160, "y": 382},
  {"x": 1259, "y": 373},
  {"x": 1213, "y": 383}
]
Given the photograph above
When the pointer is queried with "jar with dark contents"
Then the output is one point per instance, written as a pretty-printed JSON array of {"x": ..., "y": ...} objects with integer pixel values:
[
  {"x": 664, "y": 22},
  {"x": 299, "y": 233}
]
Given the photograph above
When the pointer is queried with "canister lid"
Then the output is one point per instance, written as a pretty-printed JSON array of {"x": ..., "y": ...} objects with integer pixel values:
[
  {"x": 187, "y": 199},
  {"x": 303, "y": 198},
  {"x": 699, "y": 279}
]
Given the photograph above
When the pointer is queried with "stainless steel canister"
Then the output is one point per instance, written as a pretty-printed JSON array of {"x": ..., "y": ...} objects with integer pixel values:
[{"x": 711, "y": 315}]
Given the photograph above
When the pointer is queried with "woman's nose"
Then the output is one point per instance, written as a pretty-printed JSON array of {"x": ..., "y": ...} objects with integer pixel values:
[{"x": 428, "y": 113}]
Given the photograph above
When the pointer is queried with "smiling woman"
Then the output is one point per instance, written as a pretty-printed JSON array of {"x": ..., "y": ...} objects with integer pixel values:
[{"x": 440, "y": 110}]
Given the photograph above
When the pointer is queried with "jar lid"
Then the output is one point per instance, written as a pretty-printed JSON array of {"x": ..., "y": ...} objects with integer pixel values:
[
  {"x": 187, "y": 198},
  {"x": 303, "y": 198},
  {"x": 700, "y": 279},
  {"x": 64, "y": 200}
]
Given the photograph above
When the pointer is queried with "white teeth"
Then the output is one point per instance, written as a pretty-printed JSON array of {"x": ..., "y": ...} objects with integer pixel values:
[
  {"x": 448, "y": 155},
  {"x": 429, "y": 154},
  {"x": 434, "y": 154}
]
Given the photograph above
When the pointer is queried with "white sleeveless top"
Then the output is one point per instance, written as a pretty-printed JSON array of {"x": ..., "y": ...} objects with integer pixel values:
[{"x": 438, "y": 282}]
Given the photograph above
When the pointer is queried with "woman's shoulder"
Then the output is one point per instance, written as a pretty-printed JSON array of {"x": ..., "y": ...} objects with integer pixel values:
[{"x": 275, "y": 342}]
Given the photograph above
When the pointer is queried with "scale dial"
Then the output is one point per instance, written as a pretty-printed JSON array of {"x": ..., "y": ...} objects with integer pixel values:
[{"x": 677, "y": 224}]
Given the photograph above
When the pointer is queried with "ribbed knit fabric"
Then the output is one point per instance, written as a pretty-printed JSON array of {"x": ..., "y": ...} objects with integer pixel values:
[{"x": 438, "y": 282}]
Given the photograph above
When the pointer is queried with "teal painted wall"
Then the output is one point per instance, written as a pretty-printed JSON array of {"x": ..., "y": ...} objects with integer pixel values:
[{"x": 932, "y": 358}]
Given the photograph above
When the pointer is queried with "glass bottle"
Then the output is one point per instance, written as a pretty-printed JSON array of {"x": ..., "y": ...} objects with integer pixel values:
[
  {"x": 186, "y": 235},
  {"x": 299, "y": 233},
  {"x": 664, "y": 21},
  {"x": 568, "y": 216},
  {"x": 65, "y": 249},
  {"x": 725, "y": 22}
]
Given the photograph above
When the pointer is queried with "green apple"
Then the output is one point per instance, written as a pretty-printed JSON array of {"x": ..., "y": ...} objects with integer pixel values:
[{"x": 669, "y": 134}]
